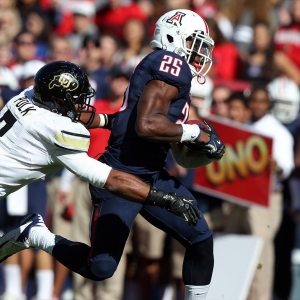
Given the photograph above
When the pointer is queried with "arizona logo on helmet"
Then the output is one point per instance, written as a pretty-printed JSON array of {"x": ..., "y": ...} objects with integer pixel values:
[
  {"x": 176, "y": 18},
  {"x": 65, "y": 80}
]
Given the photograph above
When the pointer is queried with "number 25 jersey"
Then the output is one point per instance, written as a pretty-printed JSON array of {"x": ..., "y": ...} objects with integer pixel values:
[{"x": 128, "y": 152}]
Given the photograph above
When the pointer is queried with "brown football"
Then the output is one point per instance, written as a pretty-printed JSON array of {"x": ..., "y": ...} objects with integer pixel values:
[{"x": 188, "y": 156}]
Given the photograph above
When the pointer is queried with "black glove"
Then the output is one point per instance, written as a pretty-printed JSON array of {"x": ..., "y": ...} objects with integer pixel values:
[
  {"x": 178, "y": 205},
  {"x": 214, "y": 149},
  {"x": 109, "y": 120}
]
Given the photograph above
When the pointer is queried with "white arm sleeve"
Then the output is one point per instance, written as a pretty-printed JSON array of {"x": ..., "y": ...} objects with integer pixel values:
[{"x": 79, "y": 163}]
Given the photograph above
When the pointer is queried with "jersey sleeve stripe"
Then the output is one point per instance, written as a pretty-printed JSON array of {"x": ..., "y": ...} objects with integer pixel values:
[
  {"x": 75, "y": 134},
  {"x": 73, "y": 142},
  {"x": 61, "y": 147}
]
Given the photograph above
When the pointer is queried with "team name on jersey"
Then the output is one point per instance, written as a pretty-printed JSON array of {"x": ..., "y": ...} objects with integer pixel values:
[{"x": 24, "y": 105}]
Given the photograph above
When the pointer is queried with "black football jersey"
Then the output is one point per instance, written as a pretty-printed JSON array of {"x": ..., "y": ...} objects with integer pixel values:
[{"x": 126, "y": 150}]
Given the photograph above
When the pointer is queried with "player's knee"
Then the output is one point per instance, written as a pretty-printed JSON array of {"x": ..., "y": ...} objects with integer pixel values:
[{"x": 103, "y": 269}]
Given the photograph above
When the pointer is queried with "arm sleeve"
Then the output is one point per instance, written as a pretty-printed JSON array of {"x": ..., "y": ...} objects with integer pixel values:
[
  {"x": 79, "y": 163},
  {"x": 62, "y": 133}
]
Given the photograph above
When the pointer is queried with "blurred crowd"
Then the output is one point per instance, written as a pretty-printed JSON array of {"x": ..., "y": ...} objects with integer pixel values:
[{"x": 254, "y": 80}]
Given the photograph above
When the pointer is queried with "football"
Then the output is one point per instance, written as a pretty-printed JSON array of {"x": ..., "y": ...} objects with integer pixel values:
[{"x": 188, "y": 156}]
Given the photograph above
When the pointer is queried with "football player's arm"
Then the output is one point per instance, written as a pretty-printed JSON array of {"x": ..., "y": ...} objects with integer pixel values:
[
  {"x": 103, "y": 176},
  {"x": 99, "y": 121},
  {"x": 152, "y": 122},
  {"x": 125, "y": 185}
]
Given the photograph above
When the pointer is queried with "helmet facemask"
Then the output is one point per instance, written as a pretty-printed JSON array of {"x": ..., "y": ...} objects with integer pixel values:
[
  {"x": 198, "y": 50},
  {"x": 285, "y": 96},
  {"x": 285, "y": 111},
  {"x": 75, "y": 105}
]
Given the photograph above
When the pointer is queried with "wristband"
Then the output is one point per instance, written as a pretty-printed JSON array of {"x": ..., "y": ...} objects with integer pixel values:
[
  {"x": 154, "y": 197},
  {"x": 190, "y": 132},
  {"x": 103, "y": 120}
]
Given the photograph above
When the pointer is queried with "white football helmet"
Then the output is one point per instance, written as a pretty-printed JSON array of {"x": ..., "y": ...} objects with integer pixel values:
[
  {"x": 285, "y": 97},
  {"x": 202, "y": 91},
  {"x": 184, "y": 32}
]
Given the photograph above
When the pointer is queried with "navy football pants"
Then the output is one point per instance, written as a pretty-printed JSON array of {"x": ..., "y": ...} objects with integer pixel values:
[{"x": 111, "y": 221}]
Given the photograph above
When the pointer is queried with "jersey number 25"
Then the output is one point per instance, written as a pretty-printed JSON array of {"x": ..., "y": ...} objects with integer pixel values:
[{"x": 171, "y": 65}]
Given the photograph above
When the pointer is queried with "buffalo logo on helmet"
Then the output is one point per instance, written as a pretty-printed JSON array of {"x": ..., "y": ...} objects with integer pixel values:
[
  {"x": 176, "y": 18},
  {"x": 65, "y": 80}
]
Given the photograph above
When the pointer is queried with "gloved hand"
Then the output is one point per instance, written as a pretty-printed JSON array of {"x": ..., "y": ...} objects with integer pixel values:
[
  {"x": 180, "y": 206},
  {"x": 214, "y": 149},
  {"x": 109, "y": 120}
]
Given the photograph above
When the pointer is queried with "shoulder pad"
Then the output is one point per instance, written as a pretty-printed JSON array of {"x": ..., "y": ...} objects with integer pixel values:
[{"x": 171, "y": 68}]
